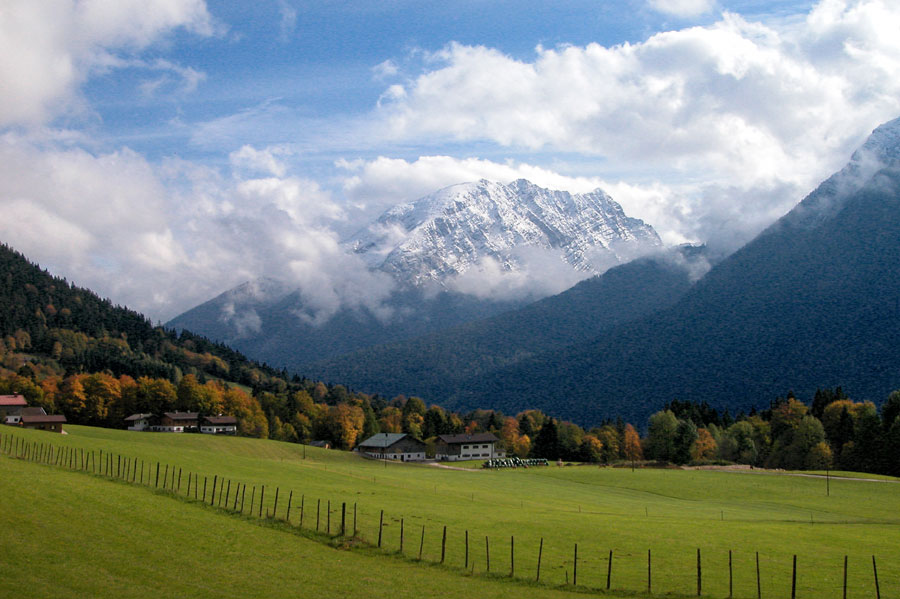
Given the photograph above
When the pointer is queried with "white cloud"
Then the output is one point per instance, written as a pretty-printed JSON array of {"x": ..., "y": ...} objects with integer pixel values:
[
  {"x": 47, "y": 49},
  {"x": 162, "y": 239},
  {"x": 385, "y": 69},
  {"x": 735, "y": 106},
  {"x": 261, "y": 161},
  {"x": 288, "y": 23},
  {"x": 538, "y": 273},
  {"x": 683, "y": 8}
]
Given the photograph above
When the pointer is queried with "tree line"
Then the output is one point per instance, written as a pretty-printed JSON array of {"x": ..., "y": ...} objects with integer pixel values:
[{"x": 833, "y": 431}]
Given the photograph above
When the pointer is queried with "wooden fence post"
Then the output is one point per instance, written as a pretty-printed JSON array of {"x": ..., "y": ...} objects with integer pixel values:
[
  {"x": 262, "y": 498},
  {"x": 609, "y": 570},
  {"x": 221, "y": 488},
  {"x": 730, "y": 577},
  {"x": 487, "y": 552},
  {"x": 540, "y": 554},
  {"x": 236, "y": 490},
  {"x": 845, "y": 577},
  {"x": 794, "y": 579},
  {"x": 699, "y": 574},
  {"x": 212, "y": 498},
  {"x": 422, "y": 542},
  {"x": 354, "y": 518},
  {"x": 243, "y": 496},
  {"x": 575, "y": 568},
  {"x": 877, "y": 587},
  {"x": 466, "y": 566},
  {"x": 318, "y": 510},
  {"x": 302, "y": 505},
  {"x": 444, "y": 544},
  {"x": 275, "y": 508},
  {"x": 649, "y": 573},
  {"x": 227, "y": 491},
  {"x": 328, "y": 517},
  {"x": 287, "y": 512},
  {"x": 344, "y": 524},
  {"x": 758, "y": 586},
  {"x": 380, "y": 524},
  {"x": 512, "y": 556}
]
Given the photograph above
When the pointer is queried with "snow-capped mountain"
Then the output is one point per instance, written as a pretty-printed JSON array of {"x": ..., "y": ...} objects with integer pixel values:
[
  {"x": 546, "y": 240},
  {"x": 454, "y": 229}
]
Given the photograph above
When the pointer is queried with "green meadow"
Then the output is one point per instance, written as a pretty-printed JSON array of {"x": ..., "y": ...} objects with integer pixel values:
[{"x": 70, "y": 533}]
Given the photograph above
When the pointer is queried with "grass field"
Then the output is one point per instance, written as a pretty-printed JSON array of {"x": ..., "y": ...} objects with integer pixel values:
[{"x": 60, "y": 525}]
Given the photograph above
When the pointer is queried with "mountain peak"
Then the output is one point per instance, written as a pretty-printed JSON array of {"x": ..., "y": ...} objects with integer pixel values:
[
  {"x": 883, "y": 143},
  {"x": 452, "y": 230},
  {"x": 880, "y": 150}
]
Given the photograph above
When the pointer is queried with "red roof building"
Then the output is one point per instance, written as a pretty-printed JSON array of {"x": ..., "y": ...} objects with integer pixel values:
[{"x": 11, "y": 407}]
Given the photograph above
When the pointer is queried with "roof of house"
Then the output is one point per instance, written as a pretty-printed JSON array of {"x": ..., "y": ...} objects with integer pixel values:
[
  {"x": 135, "y": 417},
  {"x": 181, "y": 415},
  {"x": 12, "y": 400},
  {"x": 325, "y": 444},
  {"x": 43, "y": 418},
  {"x": 33, "y": 412},
  {"x": 382, "y": 440},
  {"x": 225, "y": 420},
  {"x": 476, "y": 438}
]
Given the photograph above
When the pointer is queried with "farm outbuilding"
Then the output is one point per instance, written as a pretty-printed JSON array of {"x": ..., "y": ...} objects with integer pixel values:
[
  {"x": 467, "y": 447},
  {"x": 15, "y": 418},
  {"x": 11, "y": 407},
  {"x": 177, "y": 422},
  {"x": 140, "y": 422},
  {"x": 393, "y": 446},
  {"x": 219, "y": 425},
  {"x": 43, "y": 422}
]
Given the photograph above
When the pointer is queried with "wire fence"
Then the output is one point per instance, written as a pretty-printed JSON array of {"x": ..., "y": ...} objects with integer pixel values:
[{"x": 732, "y": 574}]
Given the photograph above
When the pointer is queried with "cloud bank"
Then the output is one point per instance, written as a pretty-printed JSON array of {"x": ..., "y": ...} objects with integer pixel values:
[{"x": 737, "y": 119}]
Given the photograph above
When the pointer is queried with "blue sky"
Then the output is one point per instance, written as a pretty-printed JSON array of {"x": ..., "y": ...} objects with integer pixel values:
[
  {"x": 163, "y": 151},
  {"x": 317, "y": 61}
]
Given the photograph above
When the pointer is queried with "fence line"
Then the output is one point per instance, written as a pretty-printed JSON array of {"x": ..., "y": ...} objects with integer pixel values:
[{"x": 125, "y": 468}]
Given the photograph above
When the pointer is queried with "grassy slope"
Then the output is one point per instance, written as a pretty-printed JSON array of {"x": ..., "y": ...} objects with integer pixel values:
[
  {"x": 671, "y": 512},
  {"x": 68, "y": 535}
]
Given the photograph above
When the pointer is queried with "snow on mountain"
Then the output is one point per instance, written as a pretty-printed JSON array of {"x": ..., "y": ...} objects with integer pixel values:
[
  {"x": 881, "y": 149},
  {"x": 462, "y": 226}
]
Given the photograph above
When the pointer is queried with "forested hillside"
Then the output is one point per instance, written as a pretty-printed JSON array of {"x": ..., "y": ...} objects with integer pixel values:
[
  {"x": 436, "y": 365},
  {"x": 66, "y": 327}
]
